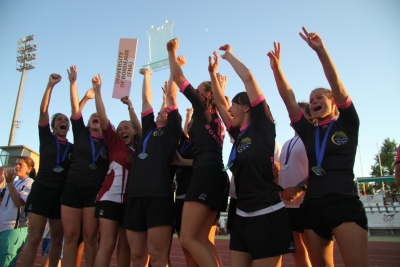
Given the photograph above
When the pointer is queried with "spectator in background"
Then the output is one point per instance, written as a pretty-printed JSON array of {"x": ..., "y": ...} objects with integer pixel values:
[{"x": 13, "y": 219}]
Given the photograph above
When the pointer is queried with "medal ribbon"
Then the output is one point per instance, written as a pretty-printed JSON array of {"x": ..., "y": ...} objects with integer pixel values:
[
  {"x": 146, "y": 140},
  {"x": 185, "y": 146},
  {"x": 319, "y": 152},
  {"x": 94, "y": 156},
  {"x": 58, "y": 152},
  {"x": 232, "y": 155},
  {"x": 289, "y": 150}
]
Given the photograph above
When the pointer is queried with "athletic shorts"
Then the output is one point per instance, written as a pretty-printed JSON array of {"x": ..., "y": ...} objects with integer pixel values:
[
  {"x": 295, "y": 219},
  {"x": 231, "y": 213},
  {"x": 208, "y": 186},
  {"x": 111, "y": 211},
  {"x": 322, "y": 214},
  {"x": 76, "y": 197},
  {"x": 264, "y": 236},
  {"x": 46, "y": 242},
  {"x": 44, "y": 201},
  {"x": 143, "y": 213},
  {"x": 178, "y": 214}
]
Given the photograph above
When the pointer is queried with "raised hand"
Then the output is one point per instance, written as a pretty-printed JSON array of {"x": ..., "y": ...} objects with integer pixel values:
[
  {"x": 189, "y": 112},
  {"x": 90, "y": 93},
  {"x": 10, "y": 176},
  {"x": 274, "y": 56},
  {"x": 144, "y": 71},
  {"x": 96, "y": 82},
  {"x": 173, "y": 44},
  {"x": 212, "y": 67},
  {"x": 181, "y": 61},
  {"x": 222, "y": 80},
  {"x": 228, "y": 50},
  {"x": 72, "y": 73},
  {"x": 126, "y": 101},
  {"x": 54, "y": 79},
  {"x": 312, "y": 39}
]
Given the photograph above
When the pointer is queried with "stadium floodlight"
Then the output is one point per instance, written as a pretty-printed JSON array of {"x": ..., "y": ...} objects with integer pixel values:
[{"x": 25, "y": 62}]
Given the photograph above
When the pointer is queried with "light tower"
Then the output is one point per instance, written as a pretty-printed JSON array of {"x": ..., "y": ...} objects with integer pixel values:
[{"x": 25, "y": 62}]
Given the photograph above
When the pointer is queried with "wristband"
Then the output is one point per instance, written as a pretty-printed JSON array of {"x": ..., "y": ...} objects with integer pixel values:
[{"x": 130, "y": 107}]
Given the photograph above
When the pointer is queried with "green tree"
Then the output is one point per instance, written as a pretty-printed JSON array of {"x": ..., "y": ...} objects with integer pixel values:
[{"x": 388, "y": 157}]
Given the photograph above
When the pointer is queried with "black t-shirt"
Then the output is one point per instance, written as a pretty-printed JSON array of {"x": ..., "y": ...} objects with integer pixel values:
[
  {"x": 48, "y": 159},
  {"x": 150, "y": 177},
  {"x": 80, "y": 175},
  {"x": 339, "y": 155},
  {"x": 252, "y": 169},
  {"x": 208, "y": 129},
  {"x": 184, "y": 173}
]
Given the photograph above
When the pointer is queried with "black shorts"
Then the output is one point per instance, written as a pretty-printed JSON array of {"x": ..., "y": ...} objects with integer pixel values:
[
  {"x": 264, "y": 236},
  {"x": 295, "y": 219},
  {"x": 111, "y": 211},
  {"x": 76, "y": 197},
  {"x": 143, "y": 213},
  {"x": 322, "y": 214},
  {"x": 44, "y": 201},
  {"x": 208, "y": 186},
  {"x": 178, "y": 214},
  {"x": 231, "y": 213}
]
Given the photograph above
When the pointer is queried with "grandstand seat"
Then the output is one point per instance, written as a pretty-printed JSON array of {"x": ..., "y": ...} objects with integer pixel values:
[
  {"x": 375, "y": 209},
  {"x": 390, "y": 209}
]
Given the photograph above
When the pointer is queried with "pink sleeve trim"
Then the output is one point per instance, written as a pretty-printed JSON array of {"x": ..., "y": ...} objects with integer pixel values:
[
  {"x": 183, "y": 86},
  {"x": 258, "y": 100},
  {"x": 297, "y": 117},
  {"x": 62, "y": 139},
  {"x": 228, "y": 127},
  {"x": 43, "y": 124},
  {"x": 345, "y": 104},
  {"x": 144, "y": 114},
  {"x": 172, "y": 108},
  {"x": 98, "y": 136},
  {"x": 77, "y": 116}
]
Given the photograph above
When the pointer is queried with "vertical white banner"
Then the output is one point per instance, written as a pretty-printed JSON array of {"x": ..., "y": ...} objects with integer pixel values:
[{"x": 125, "y": 67}]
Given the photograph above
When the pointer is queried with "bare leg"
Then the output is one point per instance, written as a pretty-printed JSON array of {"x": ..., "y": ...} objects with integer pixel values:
[
  {"x": 268, "y": 262},
  {"x": 56, "y": 234},
  {"x": 109, "y": 234},
  {"x": 353, "y": 244},
  {"x": 90, "y": 232},
  {"x": 138, "y": 245},
  {"x": 301, "y": 255},
  {"x": 239, "y": 259},
  {"x": 124, "y": 254},
  {"x": 208, "y": 237},
  {"x": 320, "y": 250},
  {"x": 37, "y": 223},
  {"x": 158, "y": 240},
  {"x": 71, "y": 221},
  {"x": 194, "y": 217}
]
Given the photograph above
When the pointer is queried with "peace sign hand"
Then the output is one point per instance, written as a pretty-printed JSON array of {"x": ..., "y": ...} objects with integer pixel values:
[
  {"x": 312, "y": 39},
  {"x": 274, "y": 56}
]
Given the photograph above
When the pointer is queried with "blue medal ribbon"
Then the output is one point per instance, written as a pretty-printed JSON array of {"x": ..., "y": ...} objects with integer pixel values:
[
  {"x": 232, "y": 155},
  {"x": 94, "y": 155},
  {"x": 185, "y": 146},
  {"x": 58, "y": 168},
  {"x": 320, "y": 151},
  {"x": 144, "y": 155},
  {"x": 289, "y": 149}
]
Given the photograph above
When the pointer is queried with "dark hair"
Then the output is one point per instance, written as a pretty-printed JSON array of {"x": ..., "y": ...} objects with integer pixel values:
[
  {"x": 208, "y": 88},
  {"x": 328, "y": 93},
  {"x": 53, "y": 119},
  {"x": 307, "y": 112},
  {"x": 243, "y": 99},
  {"x": 30, "y": 163}
]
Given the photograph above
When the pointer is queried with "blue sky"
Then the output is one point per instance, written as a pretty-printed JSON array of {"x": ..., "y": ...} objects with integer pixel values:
[{"x": 362, "y": 37}]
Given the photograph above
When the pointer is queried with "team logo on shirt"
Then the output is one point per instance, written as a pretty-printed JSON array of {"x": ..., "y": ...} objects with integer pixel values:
[
  {"x": 339, "y": 138},
  {"x": 158, "y": 132},
  {"x": 244, "y": 144}
]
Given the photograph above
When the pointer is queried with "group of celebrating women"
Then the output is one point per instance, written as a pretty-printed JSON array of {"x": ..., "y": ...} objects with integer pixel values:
[{"x": 120, "y": 182}]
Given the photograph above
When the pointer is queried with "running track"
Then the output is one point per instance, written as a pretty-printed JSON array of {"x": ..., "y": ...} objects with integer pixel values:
[{"x": 383, "y": 254}]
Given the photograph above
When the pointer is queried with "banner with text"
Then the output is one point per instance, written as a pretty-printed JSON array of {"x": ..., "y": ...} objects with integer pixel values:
[{"x": 125, "y": 67}]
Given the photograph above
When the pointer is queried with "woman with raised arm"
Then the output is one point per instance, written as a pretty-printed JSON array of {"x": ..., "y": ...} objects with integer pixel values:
[
  {"x": 261, "y": 231},
  {"x": 111, "y": 200},
  {"x": 86, "y": 175},
  {"x": 331, "y": 204},
  {"x": 13, "y": 219},
  {"x": 150, "y": 208},
  {"x": 44, "y": 201},
  {"x": 209, "y": 182}
]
